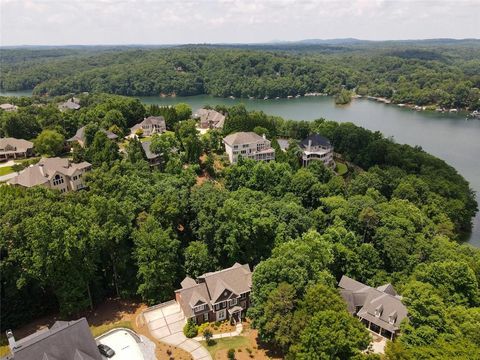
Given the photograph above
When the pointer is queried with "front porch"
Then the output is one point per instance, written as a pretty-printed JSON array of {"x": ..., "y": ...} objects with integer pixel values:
[
  {"x": 378, "y": 330},
  {"x": 235, "y": 314}
]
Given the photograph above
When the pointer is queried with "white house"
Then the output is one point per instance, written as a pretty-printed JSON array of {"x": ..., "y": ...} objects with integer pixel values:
[
  {"x": 149, "y": 126},
  {"x": 317, "y": 148},
  {"x": 249, "y": 145}
]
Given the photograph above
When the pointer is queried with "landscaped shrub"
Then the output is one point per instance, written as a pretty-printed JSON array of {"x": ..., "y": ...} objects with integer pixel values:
[
  {"x": 207, "y": 335},
  {"x": 231, "y": 354},
  {"x": 190, "y": 329},
  {"x": 203, "y": 327}
]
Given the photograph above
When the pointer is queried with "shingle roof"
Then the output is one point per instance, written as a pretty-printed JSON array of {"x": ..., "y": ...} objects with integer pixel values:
[
  {"x": 316, "y": 139},
  {"x": 10, "y": 143},
  {"x": 210, "y": 286},
  {"x": 80, "y": 135},
  {"x": 384, "y": 298},
  {"x": 239, "y": 138},
  {"x": 64, "y": 341},
  {"x": 146, "y": 149},
  {"x": 210, "y": 117},
  {"x": 45, "y": 169}
]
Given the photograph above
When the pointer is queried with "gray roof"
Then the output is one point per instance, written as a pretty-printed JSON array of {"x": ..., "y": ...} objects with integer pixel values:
[
  {"x": 211, "y": 286},
  {"x": 146, "y": 148},
  {"x": 45, "y": 169},
  {"x": 316, "y": 140},
  {"x": 71, "y": 105},
  {"x": 11, "y": 144},
  {"x": 80, "y": 135},
  {"x": 243, "y": 138},
  {"x": 381, "y": 306},
  {"x": 63, "y": 341},
  {"x": 283, "y": 143},
  {"x": 209, "y": 117}
]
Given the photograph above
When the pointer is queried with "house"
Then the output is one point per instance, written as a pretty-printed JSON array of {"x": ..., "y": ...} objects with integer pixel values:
[
  {"x": 71, "y": 104},
  {"x": 152, "y": 158},
  {"x": 249, "y": 145},
  {"x": 149, "y": 126},
  {"x": 65, "y": 340},
  {"x": 380, "y": 309},
  {"x": 216, "y": 296},
  {"x": 11, "y": 148},
  {"x": 317, "y": 148},
  {"x": 8, "y": 107},
  {"x": 55, "y": 173},
  {"x": 210, "y": 119},
  {"x": 80, "y": 136}
]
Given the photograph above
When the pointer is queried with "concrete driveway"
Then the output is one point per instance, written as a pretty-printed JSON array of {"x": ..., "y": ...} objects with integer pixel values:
[{"x": 165, "y": 322}]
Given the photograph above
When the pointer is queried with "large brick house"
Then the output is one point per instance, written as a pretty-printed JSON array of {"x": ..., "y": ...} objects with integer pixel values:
[
  {"x": 216, "y": 296},
  {"x": 248, "y": 145}
]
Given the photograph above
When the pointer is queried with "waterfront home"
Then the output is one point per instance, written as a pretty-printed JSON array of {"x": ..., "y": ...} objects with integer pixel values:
[
  {"x": 249, "y": 145},
  {"x": 317, "y": 148},
  {"x": 209, "y": 119},
  {"x": 64, "y": 340},
  {"x": 55, "y": 173},
  {"x": 152, "y": 158},
  {"x": 8, "y": 107},
  {"x": 12, "y": 148},
  {"x": 149, "y": 126},
  {"x": 80, "y": 136},
  {"x": 380, "y": 309},
  {"x": 71, "y": 104},
  {"x": 216, "y": 296}
]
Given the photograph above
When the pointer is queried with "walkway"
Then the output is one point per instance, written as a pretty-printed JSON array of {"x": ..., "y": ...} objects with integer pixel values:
[
  {"x": 238, "y": 331},
  {"x": 165, "y": 322}
]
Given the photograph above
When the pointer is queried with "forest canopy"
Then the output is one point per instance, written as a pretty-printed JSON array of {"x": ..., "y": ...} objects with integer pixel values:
[
  {"x": 136, "y": 232},
  {"x": 447, "y": 76}
]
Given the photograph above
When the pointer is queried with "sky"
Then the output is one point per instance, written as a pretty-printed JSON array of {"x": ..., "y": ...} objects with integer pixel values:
[{"x": 85, "y": 22}]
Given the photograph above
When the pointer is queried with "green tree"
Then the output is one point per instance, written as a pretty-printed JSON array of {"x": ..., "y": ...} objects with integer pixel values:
[
  {"x": 184, "y": 111},
  {"x": 198, "y": 259},
  {"x": 49, "y": 142}
]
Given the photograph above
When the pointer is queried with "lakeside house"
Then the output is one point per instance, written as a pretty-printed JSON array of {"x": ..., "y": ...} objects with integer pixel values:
[
  {"x": 249, "y": 145},
  {"x": 152, "y": 158},
  {"x": 8, "y": 107},
  {"x": 380, "y": 309},
  {"x": 71, "y": 104},
  {"x": 64, "y": 340},
  {"x": 216, "y": 296},
  {"x": 149, "y": 126},
  {"x": 209, "y": 119},
  {"x": 80, "y": 136},
  {"x": 317, "y": 148},
  {"x": 55, "y": 173},
  {"x": 12, "y": 148}
]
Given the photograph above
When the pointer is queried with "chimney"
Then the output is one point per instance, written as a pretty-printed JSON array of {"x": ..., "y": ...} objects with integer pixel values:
[
  {"x": 309, "y": 144},
  {"x": 11, "y": 340},
  {"x": 264, "y": 137}
]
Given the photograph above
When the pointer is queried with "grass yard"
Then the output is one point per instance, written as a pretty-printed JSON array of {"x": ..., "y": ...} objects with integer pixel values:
[
  {"x": 221, "y": 346},
  {"x": 98, "y": 330},
  {"x": 341, "y": 169},
  {"x": 5, "y": 170}
]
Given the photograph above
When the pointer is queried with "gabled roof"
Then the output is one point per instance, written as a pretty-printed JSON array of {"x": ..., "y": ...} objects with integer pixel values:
[
  {"x": 316, "y": 140},
  {"x": 80, "y": 135},
  {"x": 153, "y": 120},
  {"x": 381, "y": 306},
  {"x": 146, "y": 148},
  {"x": 211, "y": 286},
  {"x": 71, "y": 105},
  {"x": 67, "y": 340},
  {"x": 45, "y": 170},
  {"x": 210, "y": 117},
  {"x": 20, "y": 145},
  {"x": 239, "y": 138}
]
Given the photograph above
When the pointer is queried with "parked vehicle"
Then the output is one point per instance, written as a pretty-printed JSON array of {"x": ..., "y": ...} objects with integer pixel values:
[{"x": 106, "y": 350}]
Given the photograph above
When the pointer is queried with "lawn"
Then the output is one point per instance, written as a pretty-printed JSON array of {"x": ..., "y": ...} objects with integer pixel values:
[
  {"x": 102, "y": 329},
  {"x": 341, "y": 169},
  {"x": 222, "y": 345},
  {"x": 5, "y": 170}
]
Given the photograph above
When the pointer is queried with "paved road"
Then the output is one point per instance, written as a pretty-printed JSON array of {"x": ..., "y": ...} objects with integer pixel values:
[{"x": 166, "y": 323}]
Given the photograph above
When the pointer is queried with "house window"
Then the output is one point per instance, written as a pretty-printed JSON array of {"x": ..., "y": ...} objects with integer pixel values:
[
  {"x": 235, "y": 146},
  {"x": 391, "y": 320},
  {"x": 245, "y": 146},
  {"x": 233, "y": 302},
  {"x": 243, "y": 296},
  {"x": 221, "y": 315},
  {"x": 217, "y": 307},
  {"x": 199, "y": 308},
  {"x": 205, "y": 316},
  {"x": 57, "y": 180}
]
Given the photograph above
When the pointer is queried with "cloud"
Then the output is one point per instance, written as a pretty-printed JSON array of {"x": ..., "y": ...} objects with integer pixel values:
[{"x": 188, "y": 21}]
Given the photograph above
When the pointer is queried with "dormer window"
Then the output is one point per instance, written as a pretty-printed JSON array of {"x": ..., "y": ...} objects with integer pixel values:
[
  {"x": 199, "y": 308},
  {"x": 392, "y": 318},
  {"x": 233, "y": 302},
  {"x": 379, "y": 310}
]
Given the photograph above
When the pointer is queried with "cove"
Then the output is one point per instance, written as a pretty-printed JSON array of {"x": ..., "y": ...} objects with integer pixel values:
[{"x": 448, "y": 136}]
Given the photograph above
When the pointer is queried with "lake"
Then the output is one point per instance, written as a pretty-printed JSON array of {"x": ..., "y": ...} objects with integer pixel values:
[{"x": 448, "y": 136}]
